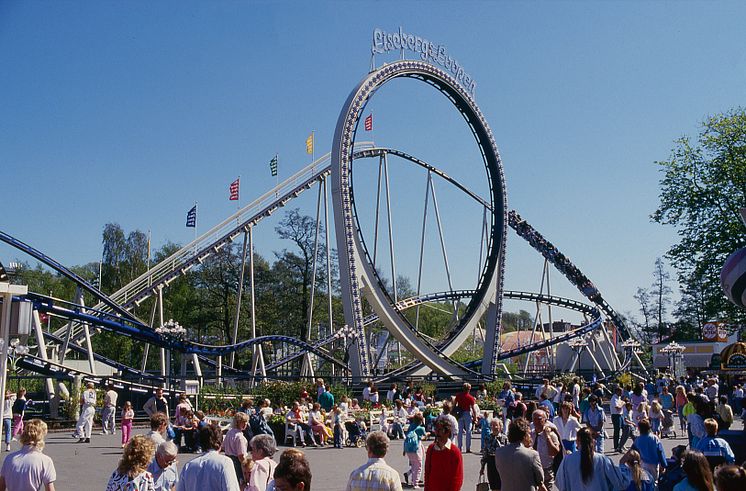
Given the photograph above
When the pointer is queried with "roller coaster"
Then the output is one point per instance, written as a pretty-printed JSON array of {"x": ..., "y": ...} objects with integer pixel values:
[{"x": 367, "y": 299}]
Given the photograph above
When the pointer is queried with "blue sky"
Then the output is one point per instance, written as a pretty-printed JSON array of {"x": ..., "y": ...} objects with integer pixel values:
[{"x": 129, "y": 112}]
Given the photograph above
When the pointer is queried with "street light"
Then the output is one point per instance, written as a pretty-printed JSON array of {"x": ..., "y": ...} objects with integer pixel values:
[
  {"x": 674, "y": 351},
  {"x": 347, "y": 334}
]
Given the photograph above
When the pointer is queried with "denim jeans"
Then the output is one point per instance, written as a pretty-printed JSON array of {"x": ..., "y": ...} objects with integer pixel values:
[
  {"x": 7, "y": 428},
  {"x": 464, "y": 427}
]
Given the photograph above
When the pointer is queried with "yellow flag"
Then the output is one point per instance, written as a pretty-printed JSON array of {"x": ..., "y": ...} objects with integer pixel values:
[{"x": 309, "y": 144}]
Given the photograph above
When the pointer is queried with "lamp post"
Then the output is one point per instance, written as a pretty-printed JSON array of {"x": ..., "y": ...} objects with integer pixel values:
[
  {"x": 674, "y": 351},
  {"x": 171, "y": 330},
  {"x": 347, "y": 334},
  {"x": 7, "y": 291}
]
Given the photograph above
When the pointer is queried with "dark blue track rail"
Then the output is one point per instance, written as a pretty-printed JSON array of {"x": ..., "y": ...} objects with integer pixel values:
[
  {"x": 141, "y": 332},
  {"x": 567, "y": 268}
]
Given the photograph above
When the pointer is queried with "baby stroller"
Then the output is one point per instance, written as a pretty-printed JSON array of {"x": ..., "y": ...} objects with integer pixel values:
[
  {"x": 356, "y": 435},
  {"x": 667, "y": 428}
]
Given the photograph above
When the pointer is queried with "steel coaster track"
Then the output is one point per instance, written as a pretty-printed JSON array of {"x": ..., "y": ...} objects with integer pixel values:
[
  {"x": 567, "y": 268},
  {"x": 511, "y": 295},
  {"x": 524, "y": 230},
  {"x": 532, "y": 297},
  {"x": 60, "y": 372},
  {"x": 209, "y": 243},
  {"x": 141, "y": 332}
]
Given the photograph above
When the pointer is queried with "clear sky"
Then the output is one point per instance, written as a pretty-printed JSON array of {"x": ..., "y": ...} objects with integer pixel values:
[{"x": 129, "y": 112}]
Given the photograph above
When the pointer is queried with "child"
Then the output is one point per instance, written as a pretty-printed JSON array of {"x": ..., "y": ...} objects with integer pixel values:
[
  {"x": 337, "y": 422},
  {"x": 19, "y": 407},
  {"x": 247, "y": 464},
  {"x": 384, "y": 420},
  {"x": 656, "y": 416},
  {"x": 485, "y": 430},
  {"x": 641, "y": 479},
  {"x": 413, "y": 449},
  {"x": 127, "y": 416}
]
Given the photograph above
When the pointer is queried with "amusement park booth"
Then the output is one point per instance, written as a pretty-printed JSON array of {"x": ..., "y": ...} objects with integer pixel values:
[{"x": 699, "y": 355}]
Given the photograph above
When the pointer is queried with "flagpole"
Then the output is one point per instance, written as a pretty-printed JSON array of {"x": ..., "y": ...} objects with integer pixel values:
[
  {"x": 313, "y": 146},
  {"x": 150, "y": 236},
  {"x": 195, "y": 221}
]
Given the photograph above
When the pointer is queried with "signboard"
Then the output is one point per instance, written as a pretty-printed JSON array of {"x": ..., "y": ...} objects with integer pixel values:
[
  {"x": 715, "y": 332},
  {"x": 436, "y": 54}
]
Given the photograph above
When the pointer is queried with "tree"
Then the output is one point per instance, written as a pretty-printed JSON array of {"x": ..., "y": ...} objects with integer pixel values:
[
  {"x": 661, "y": 296},
  {"x": 646, "y": 309},
  {"x": 702, "y": 189},
  {"x": 298, "y": 268}
]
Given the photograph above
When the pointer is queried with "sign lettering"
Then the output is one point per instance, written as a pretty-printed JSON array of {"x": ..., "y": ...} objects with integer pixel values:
[{"x": 384, "y": 42}]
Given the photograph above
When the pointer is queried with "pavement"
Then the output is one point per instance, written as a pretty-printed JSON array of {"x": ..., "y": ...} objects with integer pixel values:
[{"x": 88, "y": 466}]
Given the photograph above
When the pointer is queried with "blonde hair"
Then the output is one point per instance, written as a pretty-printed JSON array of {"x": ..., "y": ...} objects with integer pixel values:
[
  {"x": 33, "y": 434},
  {"x": 239, "y": 418},
  {"x": 137, "y": 455},
  {"x": 247, "y": 463},
  {"x": 635, "y": 468}
]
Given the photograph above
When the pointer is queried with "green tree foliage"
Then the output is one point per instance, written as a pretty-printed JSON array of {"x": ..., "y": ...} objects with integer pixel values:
[{"x": 702, "y": 189}]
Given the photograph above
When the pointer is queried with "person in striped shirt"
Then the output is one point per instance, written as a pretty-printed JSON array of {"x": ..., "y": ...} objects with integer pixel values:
[{"x": 375, "y": 474}]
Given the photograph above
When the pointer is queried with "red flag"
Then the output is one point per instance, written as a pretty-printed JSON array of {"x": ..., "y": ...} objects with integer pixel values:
[
  {"x": 234, "y": 190},
  {"x": 369, "y": 123}
]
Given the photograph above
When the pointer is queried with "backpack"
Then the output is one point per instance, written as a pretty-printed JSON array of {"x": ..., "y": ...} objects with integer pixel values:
[
  {"x": 412, "y": 442},
  {"x": 259, "y": 426}
]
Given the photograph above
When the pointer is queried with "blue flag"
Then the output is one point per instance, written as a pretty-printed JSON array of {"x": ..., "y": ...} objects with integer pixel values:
[{"x": 191, "y": 220}]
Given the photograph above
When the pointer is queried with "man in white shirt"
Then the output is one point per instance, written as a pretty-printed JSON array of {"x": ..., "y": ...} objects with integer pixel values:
[
  {"x": 88, "y": 410},
  {"x": 108, "y": 419},
  {"x": 210, "y": 471},
  {"x": 616, "y": 407},
  {"x": 576, "y": 393}
]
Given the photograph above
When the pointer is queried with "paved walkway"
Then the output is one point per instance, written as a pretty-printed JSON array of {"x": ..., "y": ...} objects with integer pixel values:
[{"x": 87, "y": 467}]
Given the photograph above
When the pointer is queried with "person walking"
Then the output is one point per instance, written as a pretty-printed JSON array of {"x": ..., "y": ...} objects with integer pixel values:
[
  {"x": 210, "y": 471},
  {"x": 88, "y": 410},
  {"x": 163, "y": 467},
  {"x": 650, "y": 448},
  {"x": 414, "y": 451},
  {"x": 496, "y": 440},
  {"x": 444, "y": 465},
  {"x": 156, "y": 404},
  {"x": 128, "y": 415},
  {"x": 235, "y": 445},
  {"x": 132, "y": 471},
  {"x": 596, "y": 417},
  {"x": 714, "y": 447},
  {"x": 546, "y": 441},
  {"x": 108, "y": 414},
  {"x": 464, "y": 403},
  {"x": 293, "y": 473},
  {"x": 29, "y": 468},
  {"x": 262, "y": 448},
  {"x": 376, "y": 473},
  {"x": 616, "y": 408},
  {"x": 567, "y": 425},
  {"x": 10, "y": 397},
  {"x": 586, "y": 470},
  {"x": 518, "y": 464},
  {"x": 698, "y": 473},
  {"x": 18, "y": 409}
]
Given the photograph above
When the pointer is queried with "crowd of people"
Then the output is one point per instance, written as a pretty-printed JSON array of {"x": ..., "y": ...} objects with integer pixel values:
[{"x": 553, "y": 437}]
